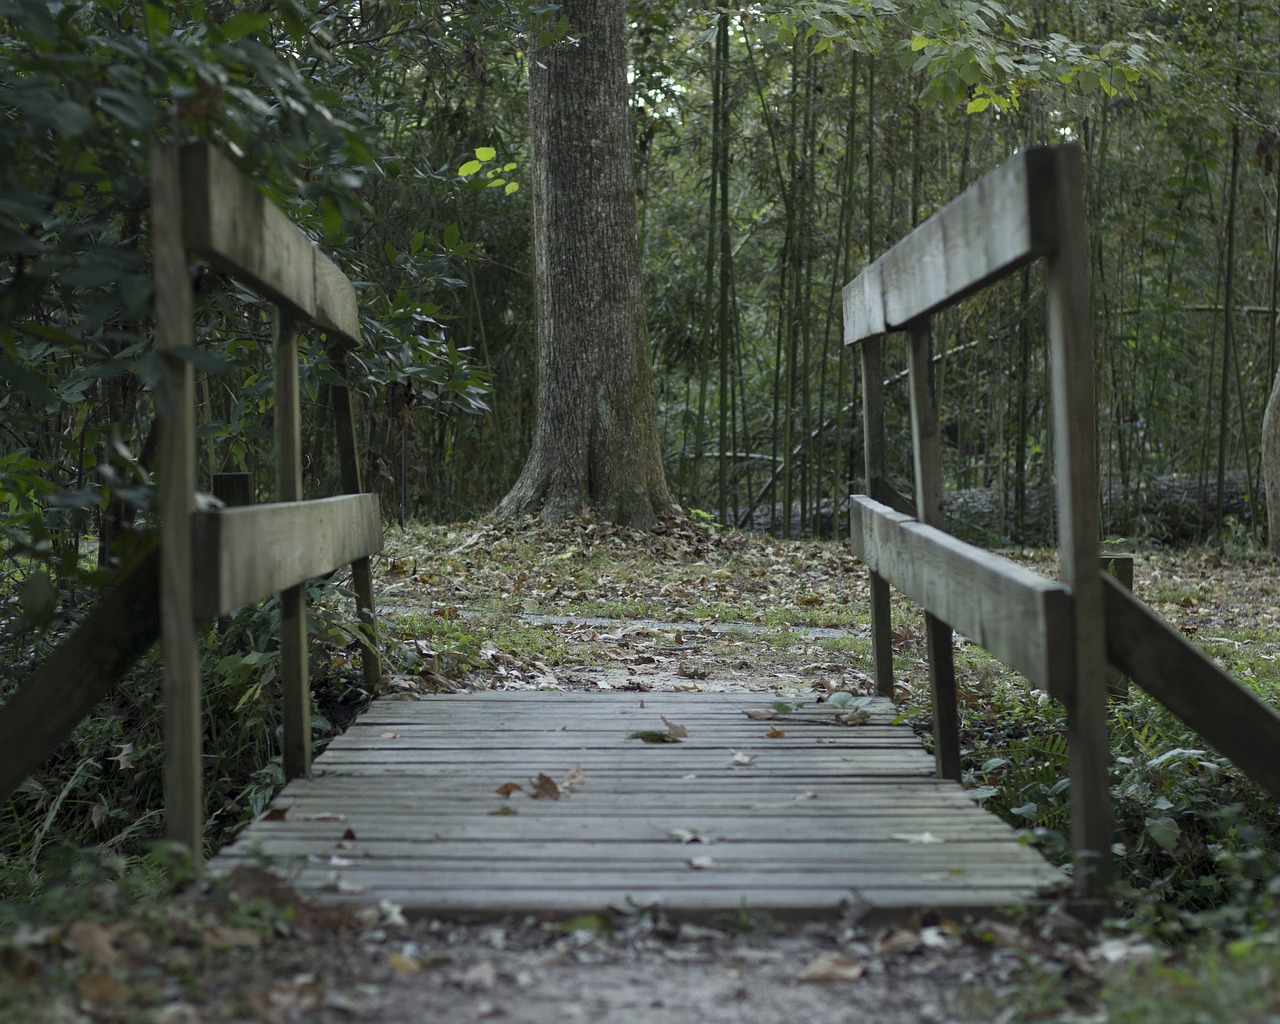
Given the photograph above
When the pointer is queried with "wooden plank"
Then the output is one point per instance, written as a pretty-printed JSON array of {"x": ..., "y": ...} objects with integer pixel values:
[
  {"x": 1119, "y": 568},
  {"x": 1003, "y": 221},
  {"x": 1020, "y": 617},
  {"x": 245, "y": 555},
  {"x": 233, "y": 225},
  {"x": 1230, "y": 716},
  {"x": 84, "y": 668},
  {"x": 785, "y": 834},
  {"x": 336, "y": 310},
  {"x": 176, "y": 471}
]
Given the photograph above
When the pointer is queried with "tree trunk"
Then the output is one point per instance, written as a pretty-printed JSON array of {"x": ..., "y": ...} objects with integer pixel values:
[
  {"x": 595, "y": 443},
  {"x": 1271, "y": 466}
]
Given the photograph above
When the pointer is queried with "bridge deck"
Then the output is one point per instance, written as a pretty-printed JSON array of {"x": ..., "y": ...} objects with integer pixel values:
[{"x": 405, "y": 807}]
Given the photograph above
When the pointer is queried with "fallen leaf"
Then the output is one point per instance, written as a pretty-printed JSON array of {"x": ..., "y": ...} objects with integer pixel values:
[
  {"x": 573, "y": 778},
  {"x": 124, "y": 759},
  {"x": 482, "y": 977},
  {"x": 324, "y": 816},
  {"x": 924, "y": 838},
  {"x": 774, "y": 733},
  {"x": 402, "y": 964},
  {"x": 860, "y": 716},
  {"x": 99, "y": 987},
  {"x": 349, "y": 835},
  {"x": 276, "y": 814},
  {"x": 686, "y": 836},
  {"x": 703, "y": 863},
  {"x": 507, "y": 788},
  {"x": 737, "y": 757},
  {"x": 676, "y": 730},
  {"x": 760, "y": 714},
  {"x": 544, "y": 786},
  {"x": 653, "y": 736},
  {"x": 388, "y": 735},
  {"x": 687, "y": 671},
  {"x": 833, "y": 967},
  {"x": 503, "y": 812},
  {"x": 687, "y": 687},
  {"x": 95, "y": 943},
  {"x": 897, "y": 941}
]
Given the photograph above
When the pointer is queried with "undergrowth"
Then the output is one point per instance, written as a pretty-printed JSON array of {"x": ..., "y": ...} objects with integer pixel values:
[{"x": 103, "y": 787}]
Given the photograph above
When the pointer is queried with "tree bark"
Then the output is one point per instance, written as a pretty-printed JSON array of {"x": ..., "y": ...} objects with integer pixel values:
[
  {"x": 1271, "y": 466},
  {"x": 595, "y": 443}
]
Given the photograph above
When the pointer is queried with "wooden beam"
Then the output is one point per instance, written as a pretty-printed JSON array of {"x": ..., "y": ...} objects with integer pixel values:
[
  {"x": 83, "y": 669},
  {"x": 1020, "y": 617},
  {"x": 1005, "y": 220},
  {"x": 176, "y": 472},
  {"x": 233, "y": 225},
  {"x": 247, "y": 554},
  {"x": 1233, "y": 719},
  {"x": 337, "y": 311}
]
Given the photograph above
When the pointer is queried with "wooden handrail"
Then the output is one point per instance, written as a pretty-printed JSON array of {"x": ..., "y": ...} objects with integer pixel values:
[
  {"x": 1029, "y": 208},
  {"x": 214, "y": 561}
]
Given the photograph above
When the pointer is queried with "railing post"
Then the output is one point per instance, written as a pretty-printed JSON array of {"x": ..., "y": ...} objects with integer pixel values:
[
  {"x": 926, "y": 444},
  {"x": 874, "y": 460},
  {"x": 1074, "y": 437},
  {"x": 294, "y": 671},
  {"x": 179, "y": 644}
]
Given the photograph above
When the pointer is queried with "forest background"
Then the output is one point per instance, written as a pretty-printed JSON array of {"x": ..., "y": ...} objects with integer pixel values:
[{"x": 778, "y": 149}]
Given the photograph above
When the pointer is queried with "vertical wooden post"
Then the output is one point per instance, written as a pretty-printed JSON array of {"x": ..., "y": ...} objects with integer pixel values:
[
  {"x": 294, "y": 670},
  {"x": 1121, "y": 568},
  {"x": 361, "y": 569},
  {"x": 927, "y": 448},
  {"x": 176, "y": 465},
  {"x": 1074, "y": 433},
  {"x": 873, "y": 457}
]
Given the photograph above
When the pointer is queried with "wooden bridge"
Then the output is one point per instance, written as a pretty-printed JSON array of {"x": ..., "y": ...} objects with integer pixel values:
[
  {"x": 545, "y": 802},
  {"x": 795, "y": 816}
]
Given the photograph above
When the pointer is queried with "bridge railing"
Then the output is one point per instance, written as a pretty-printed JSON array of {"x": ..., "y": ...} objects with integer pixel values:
[{"x": 216, "y": 560}]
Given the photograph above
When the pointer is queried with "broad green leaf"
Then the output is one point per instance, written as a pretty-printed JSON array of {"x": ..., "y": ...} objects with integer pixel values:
[
  {"x": 485, "y": 153},
  {"x": 1164, "y": 830},
  {"x": 469, "y": 168},
  {"x": 978, "y": 104},
  {"x": 512, "y": 186}
]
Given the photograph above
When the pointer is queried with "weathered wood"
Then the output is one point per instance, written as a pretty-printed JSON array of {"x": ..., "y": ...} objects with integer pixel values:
[
  {"x": 1235, "y": 721},
  {"x": 1076, "y": 487},
  {"x": 176, "y": 471},
  {"x": 874, "y": 460},
  {"x": 927, "y": 448},
  {"x": 806, "y": 830},
  {"x": 247, "y": 554},
  {"x": 295, "y": 678},
  {"x": 84, "y": 668},
  {"x": 361, "y": 568},
  {"x": 1119, "y": 568},
  {"x": 1003, "y": 221},
  {"x": 233, "y": 225},
  {"x": 1020, "y": 617},
  {"x": 337, "y": 311}
]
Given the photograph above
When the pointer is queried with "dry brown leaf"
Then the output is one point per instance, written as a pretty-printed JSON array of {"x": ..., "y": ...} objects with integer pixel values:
[
  {"x": 388, "y": 735},
  {"x": 95, "y": 943},
  {"x": 573, "y": 778},
  {"x": 504, "y": 812},
  {"x": 507, "y": 788},
  {"x": 544, "y": 786},
  {"x": 276, "y": 814},
  {"x": 760, "y": 714},
  {"x": 774, "y": 733},
  {"x": 703, "y": 863},
  {"x": 737, "y": 757},
  {"x": 402, "y": 964},
  {"x": 832, "y": 967},
  {"x": 100, "y": 987},
  {"x": 897, "y": 941},
  {"x": 676, "y": 730}
]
